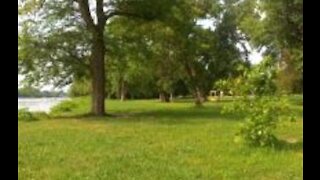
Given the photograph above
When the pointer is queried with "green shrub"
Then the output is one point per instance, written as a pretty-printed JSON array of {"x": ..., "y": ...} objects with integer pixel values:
[
  {"x": 63, "y": 107},
  {"x": 261, "y": 117},
  {"x": 25, "y": 115},
  {"x": 80, "y": 87},
  {"x": 261, "y": 106}
]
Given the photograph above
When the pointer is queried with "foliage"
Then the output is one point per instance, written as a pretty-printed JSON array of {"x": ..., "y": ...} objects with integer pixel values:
[
  {"x": 262, "y": 114},
  {"x": 257, "y": 80},
  {"x": 261, "y": 79},
  {"x": 63, "y": 107},
  {"x": 68, "y": 38},
  {"x": 277, "y": 26},
  {"x": 26, "y": 115},
  {"x": 28, "y": 91},
  {"x": 151, "y": 46},
  {"x": 80, "y": 87},
  {"x": 223, "y": 85},
  {"x": 260, "y": 106},
  {"x": 130, "y": 73}
]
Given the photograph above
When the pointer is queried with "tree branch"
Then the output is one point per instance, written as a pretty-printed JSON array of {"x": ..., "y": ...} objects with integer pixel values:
[
  {"x": 100, "y": 14},
  {"x": 121, "y": 13},
  {"x": 85, "y": 13}
]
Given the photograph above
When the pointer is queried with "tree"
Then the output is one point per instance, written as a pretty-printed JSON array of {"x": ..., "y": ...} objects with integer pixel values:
[
  {"x": 208, "y": 55},
  {"x": 29, "y": 91},
  {"x": 264, "y": 109},
  {"x": 57, "y": 19},
  {"x": 163, "y": 52},
  {"x": 277, "y": 26},
  {"x": 130, "y": 72}
]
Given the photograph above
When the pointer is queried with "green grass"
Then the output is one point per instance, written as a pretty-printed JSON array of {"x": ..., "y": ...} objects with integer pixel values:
[{"x": 146, "y": 139}]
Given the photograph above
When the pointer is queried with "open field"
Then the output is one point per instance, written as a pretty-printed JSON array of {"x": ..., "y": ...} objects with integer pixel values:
[{"x": 146, "y": 139}]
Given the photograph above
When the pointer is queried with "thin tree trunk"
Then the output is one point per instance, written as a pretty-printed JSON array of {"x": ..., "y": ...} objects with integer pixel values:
[
  {"x": 171, "y": 97},
  {"x": 198, "y": 97},
  {"x": 164, "y": 97},
  {"x": 119, "y": 90},
  {"x": 123, "y": 91},
  {"x": 161, "y": 97},
  {"x": 197, "y": 94},
  {"x": 167, "y": 98}
]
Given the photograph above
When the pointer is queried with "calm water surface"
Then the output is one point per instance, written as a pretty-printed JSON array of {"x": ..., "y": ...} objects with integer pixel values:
[{"x": 39, "y": 104}]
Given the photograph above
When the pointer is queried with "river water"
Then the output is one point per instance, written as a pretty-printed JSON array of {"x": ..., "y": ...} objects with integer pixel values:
[{"x": 39, "y": 104}]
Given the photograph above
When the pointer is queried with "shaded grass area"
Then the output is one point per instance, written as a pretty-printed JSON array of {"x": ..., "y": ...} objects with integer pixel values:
[{"x": 146, "y": 139}]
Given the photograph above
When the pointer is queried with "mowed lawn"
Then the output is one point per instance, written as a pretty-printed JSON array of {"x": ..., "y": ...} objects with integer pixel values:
[{"x": 146, "y": 140}]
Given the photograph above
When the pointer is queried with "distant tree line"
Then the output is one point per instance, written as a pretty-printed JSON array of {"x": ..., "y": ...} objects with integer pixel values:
[{"x": 29, "y": 91}]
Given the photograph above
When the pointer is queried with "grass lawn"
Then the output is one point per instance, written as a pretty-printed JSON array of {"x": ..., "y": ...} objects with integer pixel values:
[{"x": 152, "y": 140}]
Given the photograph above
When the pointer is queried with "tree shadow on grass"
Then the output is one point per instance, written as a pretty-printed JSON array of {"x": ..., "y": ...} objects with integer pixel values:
[
  {"x": 168, "y": 115},
  {"x": 283, "y": 145},
  {"x": 191, "y": 101},
  {"x": 205, "y": 113},
  {"x": 81, "y": 116}
]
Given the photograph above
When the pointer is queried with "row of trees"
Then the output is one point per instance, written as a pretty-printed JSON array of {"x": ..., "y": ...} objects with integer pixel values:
[
  {"x": 29, "y": 91},
  {"x": 149, "y": 48}
]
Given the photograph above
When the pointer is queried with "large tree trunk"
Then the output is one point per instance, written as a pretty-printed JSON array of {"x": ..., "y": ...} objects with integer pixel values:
[{"x": 97, "y": 67}]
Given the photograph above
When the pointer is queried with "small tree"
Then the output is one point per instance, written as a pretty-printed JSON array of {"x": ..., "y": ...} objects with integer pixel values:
[{"x": 262, "y": 111}]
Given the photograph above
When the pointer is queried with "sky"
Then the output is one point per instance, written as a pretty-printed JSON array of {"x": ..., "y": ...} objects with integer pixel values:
[{"x": 255, "y": 57}]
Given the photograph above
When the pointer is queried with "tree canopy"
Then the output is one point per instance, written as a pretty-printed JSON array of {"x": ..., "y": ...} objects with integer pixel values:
[{"x": 146, "y": 48}]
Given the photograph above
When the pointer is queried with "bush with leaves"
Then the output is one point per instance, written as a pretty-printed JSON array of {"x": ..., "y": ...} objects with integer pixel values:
[
  {"x": 223, "y": 85},
  {"x": 262, "y": 114},
  {"x": 63, "y": 107},
  {"x": 25, "y": 115},
  {"x": 259, "y": 104}
]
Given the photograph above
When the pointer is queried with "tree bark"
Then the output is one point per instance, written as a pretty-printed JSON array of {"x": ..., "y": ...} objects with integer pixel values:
[
  {"x": 161, "y": 97},
  {"x": 164, "y": 97},
  {"x": 123, "y": 91},
  {"x": 198, "y": 97},
  {"x": 197, "y": 93},
  {"x": 97, "y": 67},
  {"x": 119, "y": 87}
]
